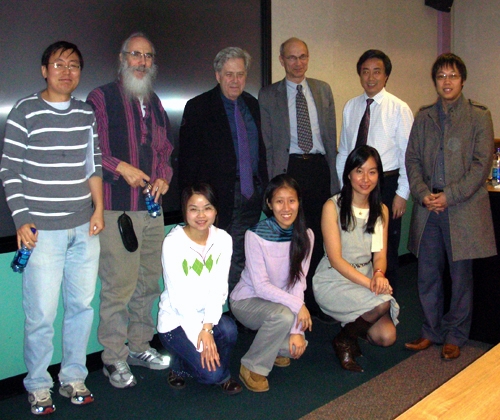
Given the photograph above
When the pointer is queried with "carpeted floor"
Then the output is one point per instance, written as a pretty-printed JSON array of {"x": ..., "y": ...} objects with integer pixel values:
[
  {"x": 308, "y": 384},
  {"x": 394, "y": 391}
]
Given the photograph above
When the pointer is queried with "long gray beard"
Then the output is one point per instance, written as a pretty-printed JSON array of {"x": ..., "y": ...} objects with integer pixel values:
[{"x": 134, "y": 87}]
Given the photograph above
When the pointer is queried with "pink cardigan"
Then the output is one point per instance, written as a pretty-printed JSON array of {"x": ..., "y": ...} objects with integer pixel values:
[{"x": 266, "y": 274}]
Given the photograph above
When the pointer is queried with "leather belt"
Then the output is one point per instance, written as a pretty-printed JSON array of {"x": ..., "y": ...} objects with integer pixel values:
[
  {"x": 394, "y": 172},
  {"x": 307, "y": 156},
  {"x": 359, "y": 265},
  {"x": 436, "y": 191}
]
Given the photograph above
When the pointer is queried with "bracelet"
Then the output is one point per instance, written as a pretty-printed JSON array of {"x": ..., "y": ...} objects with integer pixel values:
[
  {"x": 378, "y": 270},
  {"x": 210, "y": 331}
]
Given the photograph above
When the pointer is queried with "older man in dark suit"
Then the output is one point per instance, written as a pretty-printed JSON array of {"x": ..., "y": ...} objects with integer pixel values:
[
  {"x": 221, "y": 144},
  {"x": 299, "y": 130}
]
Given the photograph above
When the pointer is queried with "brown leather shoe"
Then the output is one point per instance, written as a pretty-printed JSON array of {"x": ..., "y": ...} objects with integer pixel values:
[
  {"x": 253, "y": 381},
  {"x": 282, "y": 361},
  {"x": 419, "y": 344},
  {"x": 231, "y": 387},
  {"x": 450, "y": 352},
  {"x": 344, "y": 349}
]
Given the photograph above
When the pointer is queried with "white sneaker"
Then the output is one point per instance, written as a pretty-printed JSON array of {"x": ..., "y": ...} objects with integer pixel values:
[
  {"x": 77, "y": 392},
  {"x": 149, "y": 358},
  {"x": 41, "y": 402},
  {"x": 119, "y": 374}
]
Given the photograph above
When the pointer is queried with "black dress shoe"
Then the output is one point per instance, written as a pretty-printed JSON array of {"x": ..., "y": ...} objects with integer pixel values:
[
  {"x": 324, "y": 318},
  {"x": 176, "y": 381},
  {"x": 231, "y": 387}
]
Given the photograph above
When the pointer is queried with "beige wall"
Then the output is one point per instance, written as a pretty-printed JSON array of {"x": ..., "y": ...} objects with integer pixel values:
[
  {"x": 339, "y": 31},
  {"x": 476, "y": 38}
]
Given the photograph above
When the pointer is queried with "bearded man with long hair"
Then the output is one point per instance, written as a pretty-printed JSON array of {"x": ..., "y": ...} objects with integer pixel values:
[{"x": 136, "y": 152}]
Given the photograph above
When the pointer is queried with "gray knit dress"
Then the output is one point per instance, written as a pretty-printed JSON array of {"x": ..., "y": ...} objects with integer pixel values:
[{"x": 339, "y": 297}]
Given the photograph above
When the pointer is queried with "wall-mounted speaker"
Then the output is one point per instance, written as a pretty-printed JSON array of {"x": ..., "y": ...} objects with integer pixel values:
[{"x": 441, "y": 5}]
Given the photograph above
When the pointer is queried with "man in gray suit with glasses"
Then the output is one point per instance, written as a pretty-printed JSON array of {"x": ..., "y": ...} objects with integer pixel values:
[{"x": 299, "y": 131}]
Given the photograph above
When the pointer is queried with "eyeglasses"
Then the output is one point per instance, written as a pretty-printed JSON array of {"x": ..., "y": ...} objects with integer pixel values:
[
  {"x": 74, "y": 68},
  {"x": 452, "y": 76},
  {"x": 198, "y": 210},
  {"x": 137, "y": 55},
  {"x": 303, "y": 57}
]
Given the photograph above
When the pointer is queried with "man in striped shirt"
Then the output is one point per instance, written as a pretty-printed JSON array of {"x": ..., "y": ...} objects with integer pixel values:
[
  {"x": 133, "y": 128},
  {"x": 52, "y": 175}
]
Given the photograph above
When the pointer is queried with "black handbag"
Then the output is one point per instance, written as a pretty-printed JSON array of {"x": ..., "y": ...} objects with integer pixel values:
[{"x": 126, "y": 228}]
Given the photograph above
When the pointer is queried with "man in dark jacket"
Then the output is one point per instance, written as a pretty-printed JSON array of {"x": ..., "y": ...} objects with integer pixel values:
[{"x": 221, "y": 144}]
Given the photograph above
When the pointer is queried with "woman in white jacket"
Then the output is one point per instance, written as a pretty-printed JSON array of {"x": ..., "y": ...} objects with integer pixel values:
[{"x": 196, "y": 257}]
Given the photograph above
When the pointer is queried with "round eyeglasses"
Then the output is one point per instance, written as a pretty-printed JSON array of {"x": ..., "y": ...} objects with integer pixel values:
[
  {"x": 74, "y": 68},
  {"x": 452, "y": 76},
  {"x": 137, "y": 55}
]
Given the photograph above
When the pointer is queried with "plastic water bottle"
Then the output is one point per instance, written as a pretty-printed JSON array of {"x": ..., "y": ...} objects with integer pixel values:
[
  {"x": 154, "y": 209},
  {"x": 495, "y": 169},
  {"x": 21, "y": 257}
]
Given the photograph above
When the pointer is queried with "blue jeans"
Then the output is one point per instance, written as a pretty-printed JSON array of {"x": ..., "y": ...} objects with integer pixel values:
[
  {"x": 61, "y": 257},
  {"x": 186, "y": 360}
]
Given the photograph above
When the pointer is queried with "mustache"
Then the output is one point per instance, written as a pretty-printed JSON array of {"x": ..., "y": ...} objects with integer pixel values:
[{"x": 139, "y": 68}]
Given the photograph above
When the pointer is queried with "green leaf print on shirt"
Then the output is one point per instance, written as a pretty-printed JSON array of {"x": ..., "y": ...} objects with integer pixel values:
[
  {"x": 197, "y": 266},
  {"x": 209, "y": 263}
]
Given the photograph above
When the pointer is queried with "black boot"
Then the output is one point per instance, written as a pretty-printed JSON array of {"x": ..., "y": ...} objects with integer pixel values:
[
  {"x": 359, "y": 328},
  {"x": 345, "y": 349}
]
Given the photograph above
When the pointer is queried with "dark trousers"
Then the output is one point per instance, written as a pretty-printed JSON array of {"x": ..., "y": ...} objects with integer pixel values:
[
  {"x": 246, "y": 213},
  {"x": 313, "y": 176},
  {"x": 186, "y": 360},
  {"x": 435, "y": 245},
  {"x": 389, "y": 188}
]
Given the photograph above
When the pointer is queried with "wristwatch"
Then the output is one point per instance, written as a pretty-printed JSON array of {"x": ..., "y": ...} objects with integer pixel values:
[{"x": 210, "y": 331}]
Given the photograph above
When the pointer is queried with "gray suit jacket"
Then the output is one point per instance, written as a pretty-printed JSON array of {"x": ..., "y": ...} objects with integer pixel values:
[{"x": 276, "y": 126}]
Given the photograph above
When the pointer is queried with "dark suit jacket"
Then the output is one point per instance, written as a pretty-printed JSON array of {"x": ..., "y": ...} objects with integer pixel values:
[
  {"x": 276, "y": 126},
  {"x": 206, "y": 148}
]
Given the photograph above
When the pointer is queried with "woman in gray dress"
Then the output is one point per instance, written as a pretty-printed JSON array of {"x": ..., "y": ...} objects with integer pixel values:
[{"x": 350, "y": 283}]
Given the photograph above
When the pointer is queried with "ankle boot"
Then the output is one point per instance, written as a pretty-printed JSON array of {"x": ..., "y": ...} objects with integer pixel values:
[
  {"x": 359, "y": 328},
  {"x": 345, "y": 349}
]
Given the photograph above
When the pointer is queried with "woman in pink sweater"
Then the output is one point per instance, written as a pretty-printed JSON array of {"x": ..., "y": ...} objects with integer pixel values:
[{"x": 270, "y": 294}]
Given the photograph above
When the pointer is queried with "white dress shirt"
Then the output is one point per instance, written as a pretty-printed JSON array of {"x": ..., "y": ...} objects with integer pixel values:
[
  {"x": 390, "y": 125},
  {"x": 291, "y": 93}
]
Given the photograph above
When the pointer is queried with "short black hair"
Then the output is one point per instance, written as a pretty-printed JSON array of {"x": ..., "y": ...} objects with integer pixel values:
[
  {"x": 61, "y": 45},
  {"x": 375, "y": 54},
  {"x": 449, "y": 60}
]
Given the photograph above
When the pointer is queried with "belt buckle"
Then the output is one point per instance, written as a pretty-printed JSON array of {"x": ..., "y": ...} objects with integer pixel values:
[{"x": 307, "y": 156}]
